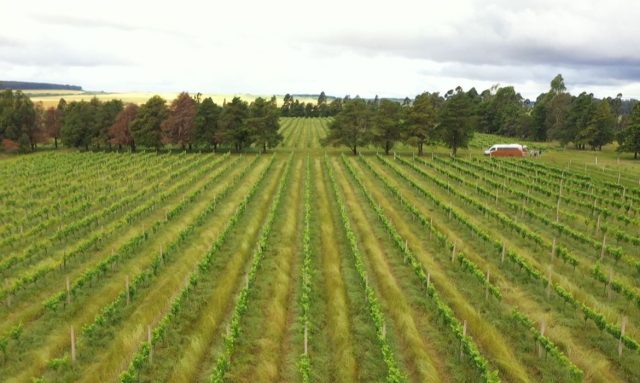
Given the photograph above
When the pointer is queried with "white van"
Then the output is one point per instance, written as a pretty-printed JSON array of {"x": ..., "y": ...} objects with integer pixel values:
[{"x": 506, "y": 150}]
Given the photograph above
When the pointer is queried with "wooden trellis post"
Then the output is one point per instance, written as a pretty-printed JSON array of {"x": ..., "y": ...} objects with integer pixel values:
[
  {"x": 604, "y": 246},
  {"x": 622, "y": 328},
  {"x": 540, "y": 349},
  {"x": 609, "y": 284},
  {"x": 486, "y": 290},
  {"x": 150, "y": 344},
  {"x": 464, "y": 334},
  {"x": 306, "y": 339},
  {"x": 68, "y": 291},
  {"x": 73, "y": 346},
  {"x": 126, "y": 282},
  {"x": 549, "y": 283}
]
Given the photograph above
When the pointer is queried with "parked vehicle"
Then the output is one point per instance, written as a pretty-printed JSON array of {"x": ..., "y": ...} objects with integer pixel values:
[{"x": 506, "y": 150}]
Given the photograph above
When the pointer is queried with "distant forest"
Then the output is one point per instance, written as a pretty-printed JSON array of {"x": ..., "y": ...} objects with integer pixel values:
[{"x": 22, "y": 85}]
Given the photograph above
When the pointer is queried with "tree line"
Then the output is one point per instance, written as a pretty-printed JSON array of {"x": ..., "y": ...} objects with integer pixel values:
[
  {"x": 451, "y": 119},
  {"x": 186, "y": 122},
  {"x": 292, "y": 107},
  {"x": 430, "y": 118}
]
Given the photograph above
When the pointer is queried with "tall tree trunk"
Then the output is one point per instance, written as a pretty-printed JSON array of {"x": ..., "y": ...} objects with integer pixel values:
[
  {"x": 387, "y": 148},
  {"x": 354, "y": 149},
  {"x": 420, "y": 145},
  {"x": 55, "y": 142}
]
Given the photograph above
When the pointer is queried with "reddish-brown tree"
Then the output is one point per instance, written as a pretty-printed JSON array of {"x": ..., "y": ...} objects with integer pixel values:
[
  {"x": 52, "y": 123},
  {"x": 179, "y": 126},
  {"x": 120, "y": 132},
  {"x": 36, "y": 132}
]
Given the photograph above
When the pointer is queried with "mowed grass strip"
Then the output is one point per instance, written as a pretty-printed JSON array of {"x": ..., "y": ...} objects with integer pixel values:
[
  {"x": 413, "y": 348},
  {"x": 261, "y": 348},
  {"x": 338, "y": 326},
  {"x": 198, "y": 334}
]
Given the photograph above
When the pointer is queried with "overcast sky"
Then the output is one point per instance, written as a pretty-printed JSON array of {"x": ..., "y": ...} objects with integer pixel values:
[{"x": 390, "y": 48}]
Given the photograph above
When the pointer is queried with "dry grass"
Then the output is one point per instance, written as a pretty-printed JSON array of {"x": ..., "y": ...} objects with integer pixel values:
[
  {"x": 422, "y": 362},
  {"x": 278, "y": 269},
  {"x": 196, "y": 356},
  {"x": 337, "y": 308}
]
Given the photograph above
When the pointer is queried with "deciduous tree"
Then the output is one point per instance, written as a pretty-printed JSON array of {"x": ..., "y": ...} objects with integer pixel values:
[
  {"x": 146, "y": 128},
  {"x": 120, "y": 130},
  {"x": 78, "y": 125},
  {"x": 106, "y": 114},
  {"x": 52, "y": 124},
  {"x": 177, "y": 128}
]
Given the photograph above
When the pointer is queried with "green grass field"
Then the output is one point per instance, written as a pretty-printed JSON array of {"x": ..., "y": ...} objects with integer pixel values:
[{"x": 311, "y": 265}]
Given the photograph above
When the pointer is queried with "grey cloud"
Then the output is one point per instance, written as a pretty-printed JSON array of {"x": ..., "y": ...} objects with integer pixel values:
[
  {"x": 6, "y": 42},
  {"x": 479, "y": 51},
  {"x": 57, "y": 55},
  {"x": 497, "y": 36},
  {"x": 85, "y": 22},
  {"x": 82, "y": 22}
]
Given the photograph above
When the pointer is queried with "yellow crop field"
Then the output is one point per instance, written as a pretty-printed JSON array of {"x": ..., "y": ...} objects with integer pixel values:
[{"x": 52, "y": 97}]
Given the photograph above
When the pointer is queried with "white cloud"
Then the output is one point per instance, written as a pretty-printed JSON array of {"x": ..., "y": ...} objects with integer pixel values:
[{"x": 396, "y": 48}]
